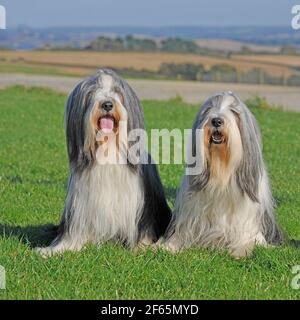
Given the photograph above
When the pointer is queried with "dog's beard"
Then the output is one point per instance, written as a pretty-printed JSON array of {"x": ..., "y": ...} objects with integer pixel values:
[{"x": 217, "y": 151}]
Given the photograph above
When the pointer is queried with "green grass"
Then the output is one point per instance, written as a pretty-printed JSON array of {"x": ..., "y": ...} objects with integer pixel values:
[{"x": 33, "y": 174}]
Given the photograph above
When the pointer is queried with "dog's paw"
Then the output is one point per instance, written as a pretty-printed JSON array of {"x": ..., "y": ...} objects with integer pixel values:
[
  {"x": 45, "y": 252},
  {"x": 145, "y": 242},
  {"x": 169, "y": 246},
  {"x": 241, "y": 253}
]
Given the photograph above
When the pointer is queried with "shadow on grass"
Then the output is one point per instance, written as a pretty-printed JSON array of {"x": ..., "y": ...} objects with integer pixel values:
[
  {"x": 34, "y": 236},
  {"x": 43, "y": 235},
  {"x": 294, "y": 243}
]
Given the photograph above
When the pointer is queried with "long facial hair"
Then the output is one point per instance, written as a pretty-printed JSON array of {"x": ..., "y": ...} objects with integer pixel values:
[{"x": 83, "y": 114}]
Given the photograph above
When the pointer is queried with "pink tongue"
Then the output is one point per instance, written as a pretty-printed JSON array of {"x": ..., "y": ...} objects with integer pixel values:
[{"x": 106, "y": 124}]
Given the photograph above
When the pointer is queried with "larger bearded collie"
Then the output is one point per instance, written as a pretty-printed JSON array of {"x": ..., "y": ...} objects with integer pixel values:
[{"x": 120, "y": 201}]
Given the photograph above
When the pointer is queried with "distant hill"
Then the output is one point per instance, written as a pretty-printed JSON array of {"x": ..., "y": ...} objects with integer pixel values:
[
  {"x": 25, "y": 37},
  {"x": 236, "y": 46}
]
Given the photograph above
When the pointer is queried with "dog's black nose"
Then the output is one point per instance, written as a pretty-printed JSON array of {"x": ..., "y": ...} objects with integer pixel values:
[
  {"x": 217, "y": 122},
  {"x": 107, "y": 105}
]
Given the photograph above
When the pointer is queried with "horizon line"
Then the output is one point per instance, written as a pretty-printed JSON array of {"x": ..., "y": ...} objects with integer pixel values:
[{"x": 145, "y": 26}]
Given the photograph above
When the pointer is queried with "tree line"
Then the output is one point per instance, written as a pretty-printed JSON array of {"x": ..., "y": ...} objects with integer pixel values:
[
  {"x": 131, "y": 43},
  {"x": 216, "y": 73}
]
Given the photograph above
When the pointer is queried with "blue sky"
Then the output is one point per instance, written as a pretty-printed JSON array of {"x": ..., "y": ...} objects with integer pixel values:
[{"x": 44, "y": 13}]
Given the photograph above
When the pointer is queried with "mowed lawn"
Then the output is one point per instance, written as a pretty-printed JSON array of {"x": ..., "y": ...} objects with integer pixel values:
[{"x": 33, "y": 175}]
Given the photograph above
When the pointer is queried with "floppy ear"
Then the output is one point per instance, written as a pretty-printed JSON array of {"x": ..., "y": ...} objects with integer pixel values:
[
  {"x": 251, "y": 168},
  {"x": 75, "y": 110},
  {"x": 133, "y": 106},
  {"x": 198, "y": 181}
]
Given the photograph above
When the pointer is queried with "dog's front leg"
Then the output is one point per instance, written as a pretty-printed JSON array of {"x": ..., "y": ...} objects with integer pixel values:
[
  {"x": 145, "y": 241},
  {"x": 242, "y": 252},
  {"x": 246, "y": 249}
]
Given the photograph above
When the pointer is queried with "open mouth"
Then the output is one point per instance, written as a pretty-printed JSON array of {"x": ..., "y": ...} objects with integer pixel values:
[
  {"x": 217, "y": 137},
  {"x": 107, "y": 124}
]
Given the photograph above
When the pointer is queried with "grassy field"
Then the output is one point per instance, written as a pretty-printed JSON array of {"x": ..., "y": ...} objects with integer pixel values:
[
  {"x": 78, "y": 63},
  {"x": 33, "y": 174},
  {"x": 235, "y": 46},
  {"x": 291, "y": 61}
]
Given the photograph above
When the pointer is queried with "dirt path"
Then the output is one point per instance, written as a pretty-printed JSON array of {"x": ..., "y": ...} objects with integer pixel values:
[{"x": 193, "y": 92}]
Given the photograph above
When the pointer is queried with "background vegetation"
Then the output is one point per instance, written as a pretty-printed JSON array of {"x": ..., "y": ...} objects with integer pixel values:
[
  {"x": 140, "y": 44},
  {"x": 170, "y": 58}
]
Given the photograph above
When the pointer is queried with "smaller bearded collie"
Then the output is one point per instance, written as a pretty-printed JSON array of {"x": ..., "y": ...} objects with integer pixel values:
[
  {"x": 122, "y": 201},
  {"x": 228, "y": 203}
]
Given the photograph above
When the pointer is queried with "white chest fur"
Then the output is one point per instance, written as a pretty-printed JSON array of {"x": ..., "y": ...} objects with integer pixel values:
[
  {"x": 108, "y": 200},
  {"x": 217, "y": 217}
]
